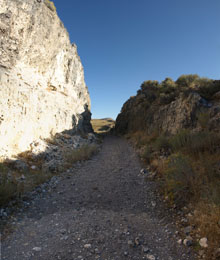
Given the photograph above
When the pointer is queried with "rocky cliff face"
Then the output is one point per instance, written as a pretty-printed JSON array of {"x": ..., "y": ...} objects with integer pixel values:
[
  {"x": 42, "y": 88},
  {"x": 167, "y": 109}
]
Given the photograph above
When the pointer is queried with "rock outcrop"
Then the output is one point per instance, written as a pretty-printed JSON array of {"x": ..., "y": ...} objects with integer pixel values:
[
  {"x": 42, "y": 88},
  {"x": 168, "y": 109}
]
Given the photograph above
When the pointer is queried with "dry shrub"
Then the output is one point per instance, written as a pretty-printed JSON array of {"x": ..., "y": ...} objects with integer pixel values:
[
  {"x": 27, "y": 156},
  {"x": 158, "y": 165},
  {"x": 203, "y": 119},
  {"x": 181, "y": 182},
  {"x": 208, "y": 168},
  {"x": 162, "y": 142},
  {"x": 180, "y": 140},
  {"x": 147, "y": 154},
  {"x": 206, "y": 219},
  {"x": 12, "y": 186},
  {"x": 207, "y": 88},
  {"x": 142, "y": 138},
  {"x": 195, "y": 143},
  {"x": 8, "y": 189},
  {"x": 81, "y": 154},
  {"x": 36, "y": 178},
  {"x": 189, "y": 80}
]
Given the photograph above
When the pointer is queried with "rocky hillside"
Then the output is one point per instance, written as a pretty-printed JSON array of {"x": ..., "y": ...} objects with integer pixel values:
[
  {"x": 190, "y": 102},
  {"x": 175, "y": 127},
  {"x": 42, "y": 88}
]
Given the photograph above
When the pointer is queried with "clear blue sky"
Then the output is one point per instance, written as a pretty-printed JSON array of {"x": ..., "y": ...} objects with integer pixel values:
[{"x": 125, "y": 42}]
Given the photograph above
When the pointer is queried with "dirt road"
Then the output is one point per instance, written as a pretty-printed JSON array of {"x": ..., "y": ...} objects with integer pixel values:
[{"x": 101, "y": 209}]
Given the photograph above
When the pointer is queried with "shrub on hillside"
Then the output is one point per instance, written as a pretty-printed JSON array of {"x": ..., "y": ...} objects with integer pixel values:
[
  {"x": 180, "y": 179},
  {"x": 207, "y": 88},
  {"x": 203, "y": 119},
  {"x": 204, "y": 141},
  {"x": 149, "y": 89},
  {"x": 195, "y": 143},
  {"x": 189, "y": 80},
  {"x": 149, "y": 84},
  {"x": 162, "y": 142},
  {"x": 147, "y": 153},
  {"x": 168, "y": 83},
  {"x": 180, "y": 140},
  {"x": 165, "y": 99}
]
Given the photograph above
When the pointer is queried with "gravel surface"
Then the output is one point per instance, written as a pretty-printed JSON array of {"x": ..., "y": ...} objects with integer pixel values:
[{"x": 101, "y": 209}]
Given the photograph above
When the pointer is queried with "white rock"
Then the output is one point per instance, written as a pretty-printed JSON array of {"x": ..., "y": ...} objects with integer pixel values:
[
  {"x": 188, "y": 241},
  {"x": 203, "y": 242},
  {"x": 87, "y": 246},
  {"x": 145, "y": 249},
  {"x": 37, "y": 249},
  {"x": 42, "y": 84},
  {"x": 153, "y": 203},
  {"x": 130, "y": 243},
  {"x": 150, "y": 257},
  {"x": 180, "y": 241}
]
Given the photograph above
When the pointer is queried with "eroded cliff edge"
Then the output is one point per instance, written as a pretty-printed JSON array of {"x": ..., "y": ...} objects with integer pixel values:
[
  {"x": 42, "y": 87},
  {"x": 167, "y": 107}
]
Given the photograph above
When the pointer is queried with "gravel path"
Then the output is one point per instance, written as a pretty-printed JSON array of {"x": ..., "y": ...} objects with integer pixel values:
[{"x": 102, "y": 209}]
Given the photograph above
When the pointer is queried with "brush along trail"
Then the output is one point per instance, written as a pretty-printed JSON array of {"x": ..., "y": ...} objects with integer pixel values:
[{"x": 101, "y": 209}]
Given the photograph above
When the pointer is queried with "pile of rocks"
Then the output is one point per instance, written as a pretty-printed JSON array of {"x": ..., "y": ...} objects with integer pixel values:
[{"x": 49, "y": 155}]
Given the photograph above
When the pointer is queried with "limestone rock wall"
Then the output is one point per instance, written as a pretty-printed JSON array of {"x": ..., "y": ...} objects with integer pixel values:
[{"x": 42, "y": 88}]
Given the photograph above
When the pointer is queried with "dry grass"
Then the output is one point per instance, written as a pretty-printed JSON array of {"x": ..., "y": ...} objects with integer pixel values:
[
  {"x": 14, "y": 183},
  {"x": 140, "y": 138},
  {"x": 8, "y": 189},
  {"x": 101, "y": 126},
  {"x": 188, "y": 167},
  {"x": 206, "y": 219},
  {"x": 81, "y": 154}
]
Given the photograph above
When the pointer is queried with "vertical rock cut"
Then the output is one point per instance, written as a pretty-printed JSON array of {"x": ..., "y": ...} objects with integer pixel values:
[{"x": 42, "y": 87}]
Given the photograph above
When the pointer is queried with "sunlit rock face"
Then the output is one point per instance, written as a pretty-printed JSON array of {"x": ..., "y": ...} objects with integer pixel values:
[{"x": 42, "y": 88}]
